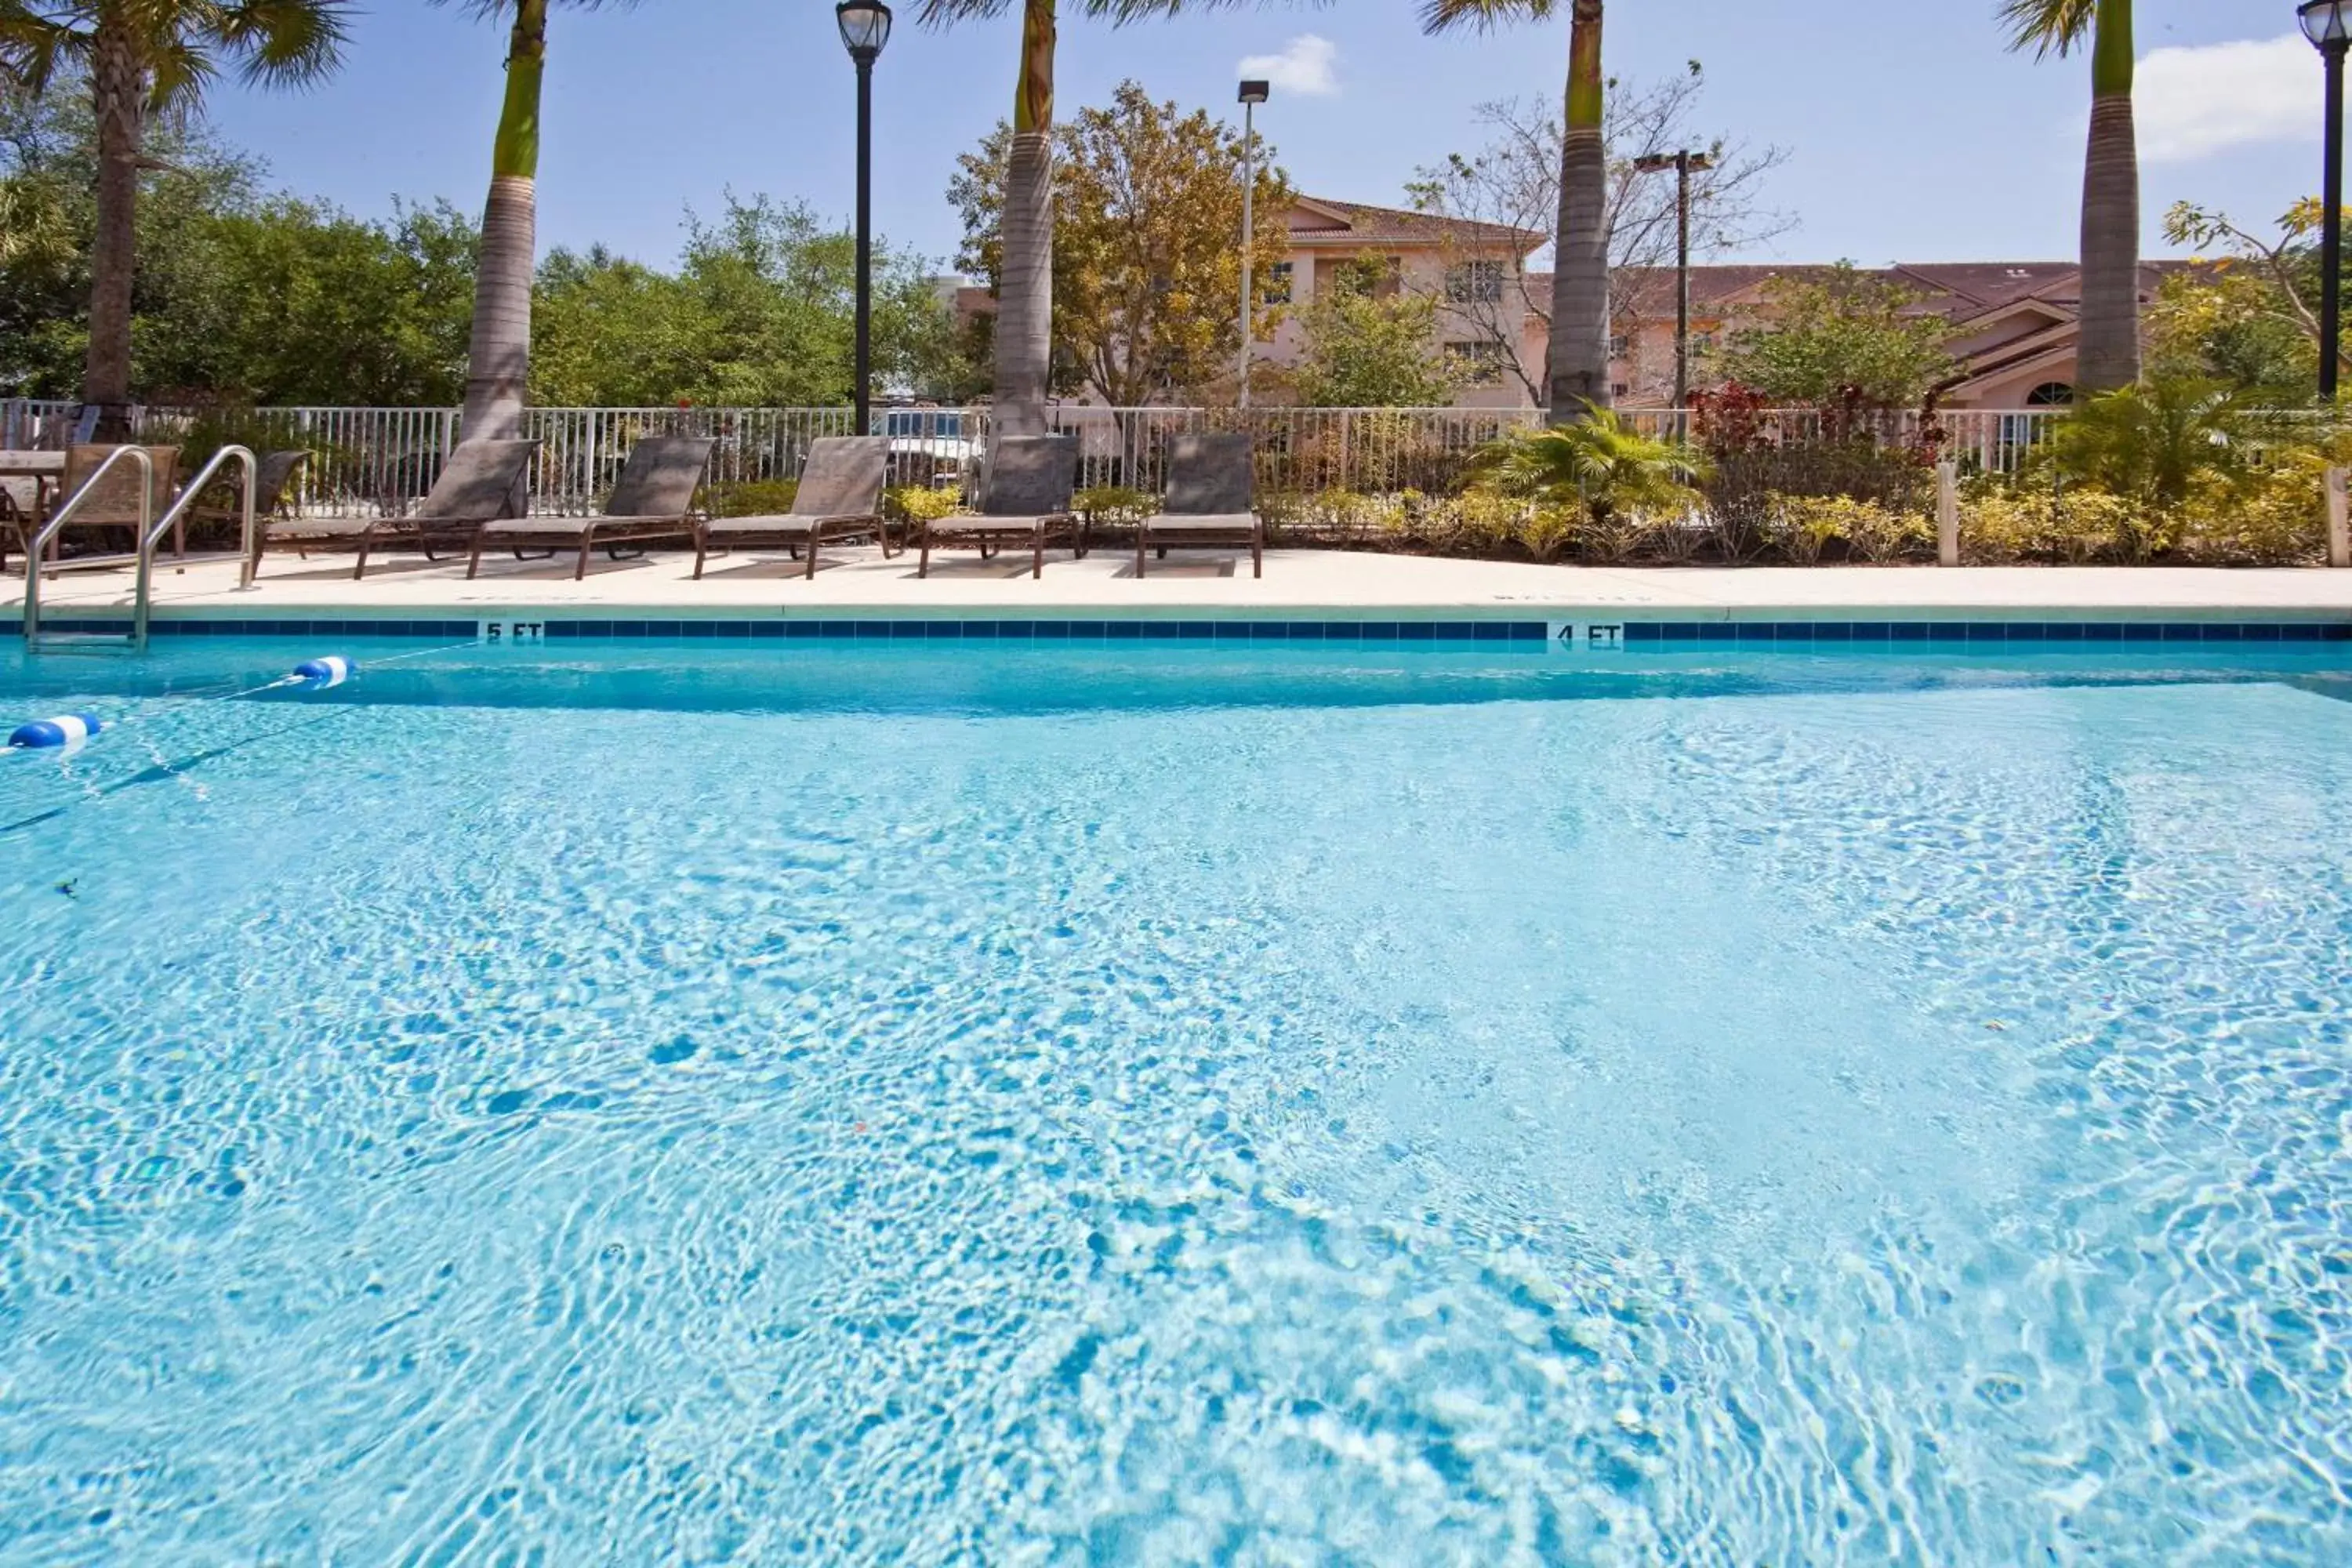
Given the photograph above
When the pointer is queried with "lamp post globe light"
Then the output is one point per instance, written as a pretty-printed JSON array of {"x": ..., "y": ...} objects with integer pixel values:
[
  {"x": 1254, "y": 93},
  {"x": 865, "y": 29},
  {"x": 2329, "y": 25}
]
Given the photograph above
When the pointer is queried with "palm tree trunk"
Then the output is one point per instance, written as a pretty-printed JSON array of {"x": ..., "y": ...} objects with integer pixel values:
[
  {"x": 498, "y": 360},
  {"x": 2108, "y": 354},
  {"x": 1024, "y": 290},
  {"x": 1577, "y": 361},
  {"x": 119, "y": 93}
]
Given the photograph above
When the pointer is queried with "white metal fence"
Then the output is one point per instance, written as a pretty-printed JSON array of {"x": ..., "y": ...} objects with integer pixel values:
[{"x": 369, "y": 461}]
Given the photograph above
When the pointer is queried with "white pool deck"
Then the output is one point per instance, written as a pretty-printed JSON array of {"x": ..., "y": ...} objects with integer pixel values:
[{"x": 1309, "y": 583}]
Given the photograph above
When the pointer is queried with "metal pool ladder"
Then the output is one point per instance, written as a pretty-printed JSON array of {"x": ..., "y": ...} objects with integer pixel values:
[{"x": 150, "y": 533}]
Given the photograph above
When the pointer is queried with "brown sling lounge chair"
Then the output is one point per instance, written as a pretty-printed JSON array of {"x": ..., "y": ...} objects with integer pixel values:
[
  {"x": 479, "y": 481},
  {"x": 112, "y": 507},
  {"x": 652, "y": 499},
  {"x": 273, "y": 481},
  {"x": 840, "y": 497},
  {"x": 1209, "y": 501},
  {"x": 1026, "y": 490}
]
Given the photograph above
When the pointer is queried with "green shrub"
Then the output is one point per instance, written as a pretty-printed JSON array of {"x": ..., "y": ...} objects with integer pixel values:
[
  {"x": 919, "y": 503},
  {"x": 2275, "y": 517},
  {"x": 2076, "y": 524},
  {"x": 1800, "y": 526},
  {"x": 752, "y": 498},
  {"x": 1114, "y": 505}
]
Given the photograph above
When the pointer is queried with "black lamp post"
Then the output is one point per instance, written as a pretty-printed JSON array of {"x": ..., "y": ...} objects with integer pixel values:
[
  {"x": 865, "y": 29},
  {"x": 1684, "y": 164},
  {"x": 2329, "y": 25}
]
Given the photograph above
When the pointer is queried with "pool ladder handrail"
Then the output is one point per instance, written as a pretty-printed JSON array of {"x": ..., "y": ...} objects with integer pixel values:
[
  {"x": 153, "y": 535},
  {"x": 150, "y": 533},
  {"x": 38, "y": 546}
]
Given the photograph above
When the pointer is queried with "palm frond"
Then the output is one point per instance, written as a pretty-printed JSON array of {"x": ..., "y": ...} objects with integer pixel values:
[
  {"x": 2049, "y": 27},
  {"x": 1484, "y": 16},
  {"x": 285, "y": 43}
]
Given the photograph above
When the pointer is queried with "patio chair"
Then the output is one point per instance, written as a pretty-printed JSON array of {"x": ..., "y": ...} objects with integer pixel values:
[
  {"x": 652, "y": 499},
  {"x": 1209, "y": 501},
  {"x": 481, "y": 480},
  {"x": 1027, "y": 482},
  {"x": 114, "y": 505},
  {"x": 840, "y": 497},
  {"x": 273, "y": 479}
]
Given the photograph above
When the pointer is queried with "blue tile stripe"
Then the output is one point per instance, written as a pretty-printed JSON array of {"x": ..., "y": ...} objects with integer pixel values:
[
  {"x": 1404, "y": 633},
  {"x": 1986, "y": 633}
]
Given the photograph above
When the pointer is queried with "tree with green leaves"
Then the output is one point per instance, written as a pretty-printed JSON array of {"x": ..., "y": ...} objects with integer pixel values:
[
  {"x": 1576, "y": 368},
  {"x": 759, "y": 314},
  {"x": 1370, "y": 345},
  {"x": 1844, "y": 341},
  {"x": 137, "y": 58},
  {"x": 2250, "y": 313},
  {"x": 2109, "y": 355},
  {"x": 1145, "y": 273},
  {"x": 1023, "y": 331}
]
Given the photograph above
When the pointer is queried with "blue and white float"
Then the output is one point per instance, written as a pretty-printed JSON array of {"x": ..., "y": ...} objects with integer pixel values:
[
  {"x": 64, "y": 729},
  {"x": 331, "y": 671}
]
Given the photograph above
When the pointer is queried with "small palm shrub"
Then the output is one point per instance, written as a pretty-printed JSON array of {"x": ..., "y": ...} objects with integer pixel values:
[
  {"x": 2153, "y": 443},
  {"x": 1614, "y": 474}
]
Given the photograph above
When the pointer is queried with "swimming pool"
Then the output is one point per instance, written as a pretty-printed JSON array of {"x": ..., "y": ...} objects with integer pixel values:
[{"x": 903, "y": 1104}]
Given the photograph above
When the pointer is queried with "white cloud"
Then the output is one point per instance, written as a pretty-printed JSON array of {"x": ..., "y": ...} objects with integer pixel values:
[
  {"x": 1304, "y": 65},
  {"x": 2193, "y": 102}
]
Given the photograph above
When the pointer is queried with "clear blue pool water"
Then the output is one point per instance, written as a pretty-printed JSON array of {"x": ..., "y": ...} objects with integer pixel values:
[{"x": 1173, "y": 1106}]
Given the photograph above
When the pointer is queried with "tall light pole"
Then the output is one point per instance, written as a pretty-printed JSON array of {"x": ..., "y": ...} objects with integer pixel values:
[
  {"x": 1684, "y": 164},
  {"x": 2329, "y": 25},
  {"x": 1252, "y": 94},
  {"x": 865, "y": 29}
]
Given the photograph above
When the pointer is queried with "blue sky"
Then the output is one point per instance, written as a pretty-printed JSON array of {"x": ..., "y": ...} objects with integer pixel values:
[{"x": 1911, "y": 134}]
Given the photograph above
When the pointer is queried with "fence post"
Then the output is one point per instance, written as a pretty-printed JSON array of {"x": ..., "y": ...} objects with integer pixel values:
[
  {"x": 1947, "y": 514},
  {"x": 2339, "y": 530}
]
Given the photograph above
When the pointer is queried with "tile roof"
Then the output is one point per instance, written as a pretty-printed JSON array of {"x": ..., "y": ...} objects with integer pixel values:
[
  {"x": 1320, "y": 218},
  {"x": 1960, "y": 291}
]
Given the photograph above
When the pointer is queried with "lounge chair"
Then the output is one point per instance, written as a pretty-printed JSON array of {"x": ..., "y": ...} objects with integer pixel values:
[
  {"x": 840, "y": 497},
  {"x": 479, "y": 482},
  {"x": 1209, "y": 500},
  {"x": 114, "y": 505},
  {"x": 1026, "y": 484},
  {"x": 652, "y": 499},
  {"x": 273, "y": 479}
]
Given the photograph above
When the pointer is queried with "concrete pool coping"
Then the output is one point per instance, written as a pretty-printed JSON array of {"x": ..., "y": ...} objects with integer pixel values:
[{"x": 1299, "y": 583}]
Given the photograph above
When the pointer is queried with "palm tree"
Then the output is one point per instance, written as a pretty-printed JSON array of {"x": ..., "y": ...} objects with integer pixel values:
[
  {"x": 2109, "y": 355},
  {"x": 141, "y": 57},
  {"x": 1025, "y": 289},
  {"x": 498, "y": 351},
  {"x": 1576, "y": 363}
]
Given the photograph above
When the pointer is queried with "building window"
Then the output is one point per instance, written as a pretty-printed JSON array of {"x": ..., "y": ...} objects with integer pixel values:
[
  {"x": 1475, "y": 282},
  {"x": 1278, "y": 285},
  {"x": 1621, "y": 389},
  {"x": 1619, "y": 345},
  {"x": 2050, "y": 394},
  {"x": 1480, "y": 362}
]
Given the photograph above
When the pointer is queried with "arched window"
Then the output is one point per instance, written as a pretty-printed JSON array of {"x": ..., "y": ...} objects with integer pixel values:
[{"x": 2050, "y": 394}]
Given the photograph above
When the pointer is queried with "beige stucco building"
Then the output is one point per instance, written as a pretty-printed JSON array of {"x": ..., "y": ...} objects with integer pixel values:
[{"x": 2013, "y": 324}]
